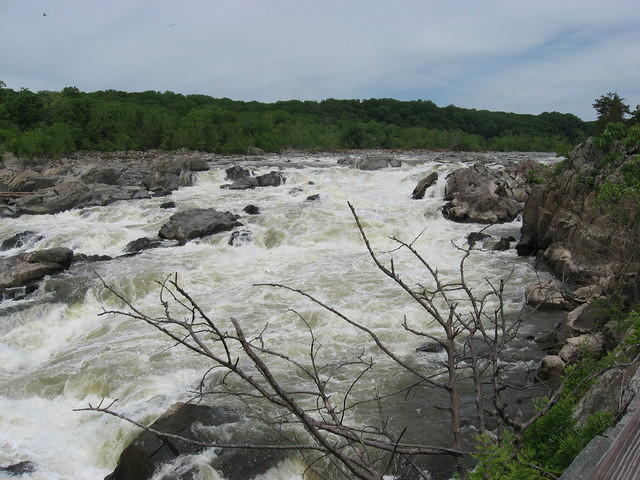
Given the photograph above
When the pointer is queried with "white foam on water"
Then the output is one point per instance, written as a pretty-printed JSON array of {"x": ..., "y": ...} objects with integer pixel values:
[{"x": 59, "y": 355}]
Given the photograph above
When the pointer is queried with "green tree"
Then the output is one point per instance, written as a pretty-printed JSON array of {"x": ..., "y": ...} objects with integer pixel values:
[{"x": 610, "y": 108}]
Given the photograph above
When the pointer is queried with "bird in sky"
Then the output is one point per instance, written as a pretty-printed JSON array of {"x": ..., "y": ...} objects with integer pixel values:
[{"x": 44, "y": 14}]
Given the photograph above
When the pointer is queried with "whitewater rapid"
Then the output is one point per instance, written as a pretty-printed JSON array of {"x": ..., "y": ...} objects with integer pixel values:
[{"x": 57, "y": 354}]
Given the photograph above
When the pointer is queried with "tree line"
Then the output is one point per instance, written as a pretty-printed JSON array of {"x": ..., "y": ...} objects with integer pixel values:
[{"x": 53, "y": 123}]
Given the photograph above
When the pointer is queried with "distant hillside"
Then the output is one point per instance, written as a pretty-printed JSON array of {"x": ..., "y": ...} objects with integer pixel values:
[{"x": 54, "y": 123}]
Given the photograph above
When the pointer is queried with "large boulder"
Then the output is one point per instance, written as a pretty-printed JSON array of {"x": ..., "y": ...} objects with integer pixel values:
[
  {"x": 29, "y": 181},
  {"x": 421, "y": 187},
  {"x": 485, "y": 195},
  {"x": 149, "y": 452},
  {"x": 546, "y": 296},
  {"x": 271, "y": 179},
  {"x": 575, "y": 347},
  {"x": 197, "y": 222},
  {"x": 376, "y": 162},
  {"x": 236, "y": 172},
  {"x": 106, "y": 175},
  {"x": 19, "y": 270}
]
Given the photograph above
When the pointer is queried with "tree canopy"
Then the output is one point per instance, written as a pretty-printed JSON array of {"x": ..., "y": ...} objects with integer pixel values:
[{"x": 49, "y": 123}]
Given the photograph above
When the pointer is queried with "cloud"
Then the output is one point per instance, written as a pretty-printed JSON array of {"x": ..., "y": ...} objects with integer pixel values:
[{"x": 515, "y": 56}]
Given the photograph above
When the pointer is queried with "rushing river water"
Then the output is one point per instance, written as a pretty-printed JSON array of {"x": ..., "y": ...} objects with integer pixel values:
[{"x": 57, "y": 354}]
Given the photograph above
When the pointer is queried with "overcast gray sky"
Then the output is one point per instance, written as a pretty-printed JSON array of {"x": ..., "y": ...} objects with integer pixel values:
[{"x": 520, "y": 56}]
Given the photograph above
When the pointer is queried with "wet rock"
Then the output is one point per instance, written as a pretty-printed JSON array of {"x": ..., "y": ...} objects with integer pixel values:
[
  {"x": 430, "y": 347},
  {"x": 251, "y": 210},
  {"x": 197, "y": 222},
  {"x": 17, "y": 293},
  {"x": 143, "y": 243},
  {"x": 545, "y": 296},
  {"x": 296, "y": 191},
  {"x": 236, "y": 172},
  {"x": 243, "y": 183},
  {"x": 26, "y": 268},
  {"x": 240, "y": 238},
  {"x": 551, "y": 368},
  {"x": 421, "y": 188},
  {"x": 59, "y": 255},
  {"x": 19, "y": 468},
  {"x": 148, "y": 452},
  {"x": 503, "y": 244},
  {"x": 168, "y": 205},
  {"x": 81, "y": 257},
  {"x": 313, "y": 198},
  {"x": 20, "y": 240},
  {"x": 348, "y": 161},
  {"x": 485, "y": 195},
  {"x": 474, "y": 237},
  {"x": 160, "y": 193},
  {"x": 271, "y": 179}
]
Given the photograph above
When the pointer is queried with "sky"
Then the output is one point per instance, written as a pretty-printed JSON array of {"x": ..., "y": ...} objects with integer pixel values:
[{"x": 516, "y": 56}]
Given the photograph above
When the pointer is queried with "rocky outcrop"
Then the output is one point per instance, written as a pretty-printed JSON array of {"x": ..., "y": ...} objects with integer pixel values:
[
  {"x": 370, "y": 162},
  {"x": 19, "y": 272},
  {"x": 86, "y": 181},
  {"x": 242, "y": 179},
  {"x": 546, "y": 296},
  {"x": 421, "y": 187},
  {"x": 149, "y": 452},
  {"x": 563, "y": 223},
  {"x": 197, "y": 222},
  {"x": 481, "y": 194}
]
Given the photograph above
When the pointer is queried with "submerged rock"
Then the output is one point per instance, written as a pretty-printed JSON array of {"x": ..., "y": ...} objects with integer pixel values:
[
  {"x": 240, "y": 238},
  {"x": 236, "y": 172},
  {"x": 143, "y": 243},
  {"x": 148, "y": 452},
  {"x": 251, "y": 209},
  {"x": 421, "y": 187},
  {"x": 271, "y": 179},
  {"x": 20, "y": 240},
  {"x": 197, "y": 222},
  {"x": 19, "y": 468}
]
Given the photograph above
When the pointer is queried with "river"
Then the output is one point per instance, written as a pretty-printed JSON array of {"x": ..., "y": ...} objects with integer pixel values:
[{"x": 57, "y": 354}]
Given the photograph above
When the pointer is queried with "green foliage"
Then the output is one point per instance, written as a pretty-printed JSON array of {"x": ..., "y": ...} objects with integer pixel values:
[
  {"x": 610, "y": 108},
  {"x": 115, "y": 120},
  {"x": 612, "y": 132},
  {"x": 502, "y": 461}
]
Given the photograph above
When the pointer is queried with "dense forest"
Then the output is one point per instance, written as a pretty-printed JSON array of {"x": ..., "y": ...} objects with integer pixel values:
[{"x": 50, "y": 123}]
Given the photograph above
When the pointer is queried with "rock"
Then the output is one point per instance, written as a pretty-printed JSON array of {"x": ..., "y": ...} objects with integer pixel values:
[
  {"x": 23, "y": 269},
  {"x": 484, "y": 195},
  {"x": 271, "y": 179},
  {"x": 501, "y": 245},
  {"x": 568, "y": 228},
  {"x": 59, "y": 255},
  {"x": 81, "y": 257},
  {"x": 31, "y": 182},
  {"x": 196, "y": 164},
  {"x": 143, "y": 243},
  {"x": 430, "y": 347},
  {"x": 106, "y": 175},
  {"x": 584, "y": 319},
  {"x": 545, "y": 296},
  {"x": 197, "y": 222},
  {"x": 147, "y": 453},
  {"x": 19, "y": 468},
  {"x": 236, "y": 173},
  {"x": 243, "y": 183},
  {"x": 20, "y": 240},
  {"x": 313, "y": 198},
  {"x": 551, "y": 368},
  {"x": 605, "y": 395},
  {"x": 549, "y": 342},
  {"x": 160, "y": 193},
  {"x": 296, "y": 191},
  {"x": 474, "y": 237},
  {"x": 348, "y": 161},
  {"x": 423, "y": 184},
  {"x": 168, "y": 205},
  {"x": 582, "y": 344},
  {"x": 240, "y": 238},
  {"x": 376, "y": 162},
  {"x": 251, "y": 209}
]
